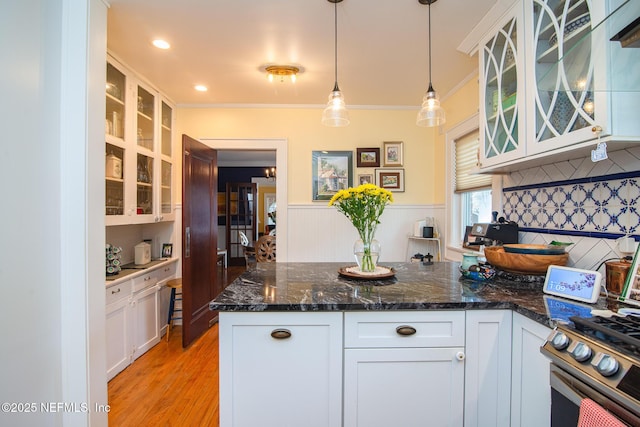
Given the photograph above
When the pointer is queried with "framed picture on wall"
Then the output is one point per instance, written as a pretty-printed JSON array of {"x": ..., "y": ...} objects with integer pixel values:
[
  {"x": 167, "y": 250},
  {"x": 392, "y": 153},
  {"x": 368, "y": 157},
  {"x": 365, "y": 178},
  {"x": 631, "y": 291},
  {"x": 331, "y": 171},
  {"x": 390, "y": 179}
]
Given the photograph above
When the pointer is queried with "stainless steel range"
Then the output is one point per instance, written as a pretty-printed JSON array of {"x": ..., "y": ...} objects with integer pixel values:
[{"x": 596, "y": 358}]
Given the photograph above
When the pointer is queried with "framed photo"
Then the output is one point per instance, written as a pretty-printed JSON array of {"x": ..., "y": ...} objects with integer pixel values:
[
  {"x": 365, "y": 178},
  {"x": 167, "y": 250},
  {"x": 631, "y": 291},
  {"x": 390, "y": 179},
  {"x": 392, "y": 153},
  {"x": 368, "y": 157},
  {"x": 331, "y": 171}
]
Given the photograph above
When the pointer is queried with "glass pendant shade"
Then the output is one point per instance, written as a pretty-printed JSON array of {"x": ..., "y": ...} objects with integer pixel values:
[
  {"x": 431, "y": 114},
  {"x": 335, "y": 114}
]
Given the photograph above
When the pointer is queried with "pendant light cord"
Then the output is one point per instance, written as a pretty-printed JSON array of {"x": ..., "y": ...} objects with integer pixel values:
[
  {"x": 430, "y": 45},
  {"x": 335, "y": 39}
]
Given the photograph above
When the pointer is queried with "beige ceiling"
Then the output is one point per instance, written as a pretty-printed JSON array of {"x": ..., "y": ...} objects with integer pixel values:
[{"x": 382, "y": 48}]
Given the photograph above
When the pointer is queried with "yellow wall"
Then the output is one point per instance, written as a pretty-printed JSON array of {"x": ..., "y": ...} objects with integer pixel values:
[
  {"x": 302, "y": 129},
  {"x": 424, "y": 148}
]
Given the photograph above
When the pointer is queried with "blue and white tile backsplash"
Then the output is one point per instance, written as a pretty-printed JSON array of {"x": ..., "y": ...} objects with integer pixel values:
[{"x": 588, "y": 204}]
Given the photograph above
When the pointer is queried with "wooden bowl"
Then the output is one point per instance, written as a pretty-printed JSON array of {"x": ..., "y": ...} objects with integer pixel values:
[{"x": 522, "y": 263}]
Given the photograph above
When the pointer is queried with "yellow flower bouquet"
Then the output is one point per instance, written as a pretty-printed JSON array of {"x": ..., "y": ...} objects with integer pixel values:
[{"x": 363, "y": 206}]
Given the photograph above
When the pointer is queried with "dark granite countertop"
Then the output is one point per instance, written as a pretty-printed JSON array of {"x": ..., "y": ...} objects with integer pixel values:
[{"x": 319, "y": 287}]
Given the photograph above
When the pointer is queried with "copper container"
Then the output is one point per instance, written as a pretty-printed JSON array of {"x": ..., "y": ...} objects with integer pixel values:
[{"x": 616, "y": 272}]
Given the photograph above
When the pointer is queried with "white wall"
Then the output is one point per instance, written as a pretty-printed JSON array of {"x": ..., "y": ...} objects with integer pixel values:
[{"x": 52, "y": 318}]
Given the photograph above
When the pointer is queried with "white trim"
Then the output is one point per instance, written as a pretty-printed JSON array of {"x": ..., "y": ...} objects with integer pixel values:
[
  {"x": 470, "y": 43},
  {"x": 301, "y": 106},
  {"x": 453, "y": 236},
  {"x": 82, "y": 304},
  {"x": 282, "y": 199}
]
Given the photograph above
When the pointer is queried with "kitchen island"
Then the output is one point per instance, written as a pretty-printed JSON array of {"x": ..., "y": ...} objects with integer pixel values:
[{"x": 302, "y": 345}]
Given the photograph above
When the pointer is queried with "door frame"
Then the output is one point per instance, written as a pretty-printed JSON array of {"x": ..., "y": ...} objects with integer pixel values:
[{"x": 282, "y": 199}]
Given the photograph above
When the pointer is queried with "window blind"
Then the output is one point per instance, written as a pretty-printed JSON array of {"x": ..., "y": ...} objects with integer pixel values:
[{"x": 466, "y": 154}]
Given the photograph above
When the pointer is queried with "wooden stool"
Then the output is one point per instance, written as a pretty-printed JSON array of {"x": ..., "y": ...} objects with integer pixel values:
[{"x": 173, "y": 284}]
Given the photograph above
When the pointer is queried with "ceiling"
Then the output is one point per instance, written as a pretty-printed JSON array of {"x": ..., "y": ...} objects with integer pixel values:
[{"x": 382, "y": 48}]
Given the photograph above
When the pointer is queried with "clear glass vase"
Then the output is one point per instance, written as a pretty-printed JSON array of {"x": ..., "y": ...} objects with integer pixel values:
[{"x": 366, "y": 254}]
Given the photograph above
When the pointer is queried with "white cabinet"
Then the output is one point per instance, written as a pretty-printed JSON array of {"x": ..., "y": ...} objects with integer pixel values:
[
  {"x": 146, "y": 316},
  {"x": 577, "y": 80},
  {"x": 134, "y": 316},
  {"x": 139, "y": 166},
  {"x": 280, "y": 369},
  {"x": 118, "y": 312},
  {"x": 404, "y": 368},
  {"x": 502, "y": 91},
  {"x": 530, "y": 389},
  {"x": 487, "y": 386}
]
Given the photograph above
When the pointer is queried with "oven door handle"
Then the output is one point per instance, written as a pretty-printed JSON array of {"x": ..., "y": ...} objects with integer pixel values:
[{"x": 560, "y": 385}]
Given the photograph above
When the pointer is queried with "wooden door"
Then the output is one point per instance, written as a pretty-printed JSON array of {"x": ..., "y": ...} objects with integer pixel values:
[
  {"x": 241, "y": 215},
  {"x": 199, "y": 237}
]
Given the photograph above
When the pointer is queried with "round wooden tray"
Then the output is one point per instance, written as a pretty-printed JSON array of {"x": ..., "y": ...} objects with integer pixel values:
[{"x": 385, "y": 273}]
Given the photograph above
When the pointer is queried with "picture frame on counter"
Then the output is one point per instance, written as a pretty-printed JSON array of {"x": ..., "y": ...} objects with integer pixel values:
[
  {"x": 332, "y": 171},
  {"x": 393, "y": 155},
  {"x": 365, "y": 178},
  {"x": 631, "y": 290},
  {"x": 390, "y": 179},
  {"x": 368, "y": 157},
  {"x": 167, "y": 250}
]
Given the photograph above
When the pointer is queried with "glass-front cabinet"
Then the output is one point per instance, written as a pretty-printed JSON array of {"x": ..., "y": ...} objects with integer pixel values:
[
  {"x": 565, "y": 105},
  {"x": 501, "y": 64},
  {"x": 582, "y": 83},
  {"x": 138, "y": 133}
]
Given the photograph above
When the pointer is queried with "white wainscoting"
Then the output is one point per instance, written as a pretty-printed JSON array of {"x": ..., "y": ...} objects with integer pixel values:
[{"x": 319, "y": 233}]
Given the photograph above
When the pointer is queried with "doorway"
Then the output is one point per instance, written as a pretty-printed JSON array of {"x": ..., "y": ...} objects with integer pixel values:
[{"x": 282, "y": 200}]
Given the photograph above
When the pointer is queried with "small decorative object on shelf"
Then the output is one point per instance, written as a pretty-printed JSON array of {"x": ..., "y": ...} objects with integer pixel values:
[
  {"x": 113, "y": 259},
  {"x": 363, "y": 206}
]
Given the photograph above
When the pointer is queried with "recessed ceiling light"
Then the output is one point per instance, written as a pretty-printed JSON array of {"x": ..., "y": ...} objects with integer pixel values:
[
  {"x": 200, "y": 88},
  {"x": 161, "y": 44}
]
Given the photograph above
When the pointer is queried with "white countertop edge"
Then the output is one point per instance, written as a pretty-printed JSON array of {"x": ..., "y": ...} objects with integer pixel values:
[{"x": 138, "y": 273}]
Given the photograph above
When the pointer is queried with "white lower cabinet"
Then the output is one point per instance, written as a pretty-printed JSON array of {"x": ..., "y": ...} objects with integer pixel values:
[
  {"x": 118, "y": 311},
  {"x": 135, "y": 316},
  {"x": 146, "y": 314},
  {"x": 530, "y": 389},
  {"x": 404, "y": 369},
  {"x": 487, "y": 368},
  {"x": 280, "y": 369},
  {"x": 382, "y": 368}
]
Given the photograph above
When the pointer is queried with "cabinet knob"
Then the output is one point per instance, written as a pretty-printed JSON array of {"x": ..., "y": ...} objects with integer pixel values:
[
  {"x": 281, "y": 334},
  {"x": 405, "y": 330},
  {"x": 460, "y": 355}
]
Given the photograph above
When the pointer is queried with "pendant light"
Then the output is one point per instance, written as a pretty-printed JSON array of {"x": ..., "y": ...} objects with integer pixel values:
[
  {"x": 335, "y": 114},
  {"x": 431, "y": 114}
]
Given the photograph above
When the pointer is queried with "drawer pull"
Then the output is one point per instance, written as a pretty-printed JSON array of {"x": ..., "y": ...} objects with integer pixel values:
[
  {"x": 406, "y": 330},
  {"x": 281, "y": 334},
  {"x": 115, "y": 292}
]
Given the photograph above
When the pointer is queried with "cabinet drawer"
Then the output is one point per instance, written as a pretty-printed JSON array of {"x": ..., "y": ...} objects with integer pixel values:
[
  {"x": 404, "y": 329},
  {"x": 149, "y": 278},
  {"x": 117, "y": 292},
  {"x": 166, "y": 271}
]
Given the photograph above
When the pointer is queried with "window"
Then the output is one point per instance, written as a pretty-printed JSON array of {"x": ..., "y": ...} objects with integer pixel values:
[{"x": 473, "y": 190}]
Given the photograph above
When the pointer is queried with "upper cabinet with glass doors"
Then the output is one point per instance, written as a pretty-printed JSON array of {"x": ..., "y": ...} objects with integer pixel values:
[
  {"x": 501, "y": 100},
  {"x": 139, "y": 166},
  {"x": 580, "y": 85}
]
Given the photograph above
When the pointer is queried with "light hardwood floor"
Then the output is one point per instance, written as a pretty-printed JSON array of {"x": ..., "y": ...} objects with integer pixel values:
[{"x": 169, "y": 385}]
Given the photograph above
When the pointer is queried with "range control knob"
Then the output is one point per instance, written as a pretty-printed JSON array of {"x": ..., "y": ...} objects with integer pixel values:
[
  {"x": 579, "y": 351},
  {"x": 605, "y": 364},
  {"x": 560, "y": 341}
]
